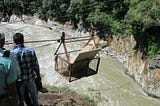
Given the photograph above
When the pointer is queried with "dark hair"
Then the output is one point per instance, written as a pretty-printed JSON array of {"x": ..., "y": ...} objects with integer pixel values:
[
  {"x": 18, "y": 38},
  {"x": 2, "y": 40}
]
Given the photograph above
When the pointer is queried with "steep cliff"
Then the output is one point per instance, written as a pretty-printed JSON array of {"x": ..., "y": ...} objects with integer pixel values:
[{"x": 144, "y": 71}]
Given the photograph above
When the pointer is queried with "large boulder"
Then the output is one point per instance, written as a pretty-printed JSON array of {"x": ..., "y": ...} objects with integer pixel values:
[{"x": 14, "y": 18}]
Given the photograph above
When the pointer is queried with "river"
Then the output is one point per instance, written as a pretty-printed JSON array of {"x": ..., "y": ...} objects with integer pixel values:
[{"x": 109, "y": 87}]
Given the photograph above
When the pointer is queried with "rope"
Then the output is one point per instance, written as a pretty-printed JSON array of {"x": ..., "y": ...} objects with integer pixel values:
[{"x": 68, "y": 40}]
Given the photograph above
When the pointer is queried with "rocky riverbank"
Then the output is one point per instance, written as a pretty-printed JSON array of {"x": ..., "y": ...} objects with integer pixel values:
[
  {"x": 145, "y": 72},
  {"x": 109, "y": 87}
]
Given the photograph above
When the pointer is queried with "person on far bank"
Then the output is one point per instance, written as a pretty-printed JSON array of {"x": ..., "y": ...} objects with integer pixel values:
[
  {"x": 28, "y": 64},
  {"x": 8, "y": 76}
]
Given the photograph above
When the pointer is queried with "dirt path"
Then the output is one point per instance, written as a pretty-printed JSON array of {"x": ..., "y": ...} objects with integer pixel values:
[{"x": 56, "y": 97}]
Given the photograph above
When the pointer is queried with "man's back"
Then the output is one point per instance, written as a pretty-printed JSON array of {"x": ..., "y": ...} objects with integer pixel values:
[
  {"x": 7, "y": 76},
  {"x": 27, "y": 61}
]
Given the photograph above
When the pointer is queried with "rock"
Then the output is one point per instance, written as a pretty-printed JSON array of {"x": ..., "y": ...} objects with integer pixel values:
[
  {"x": 155, "y": 62},
  {"x": 157, "y": 75},
  {"x": 14, "y": 18},
  {"x": 157, "y": 57},
  {"x": 102, "y": 43},
  {"x": 40, "y": 22},
  {"x": 43, "y": 23}
]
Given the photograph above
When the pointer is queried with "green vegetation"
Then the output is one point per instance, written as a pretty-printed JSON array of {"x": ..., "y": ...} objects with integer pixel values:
[
  {"x": 92, "y": 98},
  {"x": 97, "y": 97},
  {"x": 66, "y": 89},
  {"x": 143, "y": 20},
  {"x": 140, "y": 18}
]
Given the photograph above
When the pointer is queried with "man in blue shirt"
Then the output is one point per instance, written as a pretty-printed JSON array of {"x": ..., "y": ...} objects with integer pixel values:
[
  {"x": 28, "y": 64},
  {"x": 8, "y": 76}
]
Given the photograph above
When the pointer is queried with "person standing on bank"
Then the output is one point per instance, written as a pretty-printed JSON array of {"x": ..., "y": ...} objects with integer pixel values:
[
  {"x": 8, "y": 76},
  {"x": 28, "y": 63}
]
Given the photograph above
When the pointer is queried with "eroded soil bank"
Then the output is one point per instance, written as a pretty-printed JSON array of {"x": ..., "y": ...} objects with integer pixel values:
[{"x": 62, "y": 97}]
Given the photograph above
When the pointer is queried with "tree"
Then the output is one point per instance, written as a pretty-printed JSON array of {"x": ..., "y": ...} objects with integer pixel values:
[
  {"x": 143, "y": 18},
  {"x": 55, "y": 8},
  {"x": 78, "y": 11}
]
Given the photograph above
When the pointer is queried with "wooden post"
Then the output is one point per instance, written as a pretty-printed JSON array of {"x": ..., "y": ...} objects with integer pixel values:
[
  {"x": 56, "y": 63},
  {"x": 98, "y": 64},
  {"x": 67, "y": 55},
  {"x": 70, "y": 72}
]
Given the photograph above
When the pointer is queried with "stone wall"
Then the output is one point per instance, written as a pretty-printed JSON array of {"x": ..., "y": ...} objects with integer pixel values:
[{"x": 145, "y": 72}]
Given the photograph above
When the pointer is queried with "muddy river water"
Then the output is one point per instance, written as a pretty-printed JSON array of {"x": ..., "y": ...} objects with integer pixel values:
[{"x": 109, "y": 87}]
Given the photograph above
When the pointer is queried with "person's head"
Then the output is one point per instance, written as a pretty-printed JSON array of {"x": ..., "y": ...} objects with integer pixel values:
[
  {"x": 2, "y": 40},
  {"x": 18, "y": 38}
]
